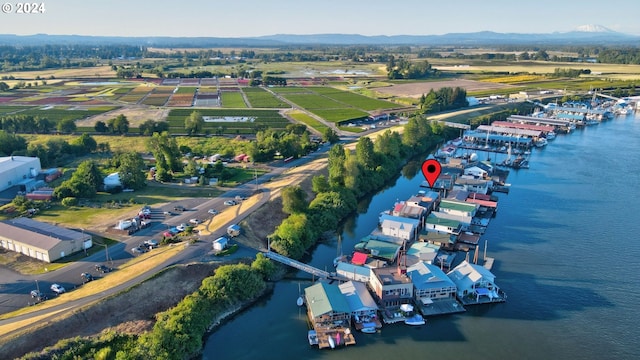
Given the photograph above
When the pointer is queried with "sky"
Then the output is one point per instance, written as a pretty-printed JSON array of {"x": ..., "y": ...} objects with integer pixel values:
[{"x": 249, "y": 18}]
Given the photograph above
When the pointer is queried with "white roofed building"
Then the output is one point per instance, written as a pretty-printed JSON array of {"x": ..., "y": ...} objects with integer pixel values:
[{"x": 16, "y": 170}]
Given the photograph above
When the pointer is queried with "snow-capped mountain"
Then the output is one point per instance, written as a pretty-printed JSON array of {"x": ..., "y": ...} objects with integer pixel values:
[{"x": 593, "y": 28}]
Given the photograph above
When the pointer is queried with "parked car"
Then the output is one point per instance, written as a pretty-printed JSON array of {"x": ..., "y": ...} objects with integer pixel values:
[
  {"x": 102, "y": 268},
  {"x": 179, "y": 208},
  {"x": 213, "y": 212},
  {"x": 230, "y": 202},
  {"x": 239, "y": 198},
  {"x": 194, "y": 221},
  {"x": 181, "y": 227},
  {"x": 57, "y": 288},
  {"x": 37, "y": 294},
  {"x": 139, "y": 249},
  {"x": 86, "y": 277},
  {"x": 151, "y": 243}
]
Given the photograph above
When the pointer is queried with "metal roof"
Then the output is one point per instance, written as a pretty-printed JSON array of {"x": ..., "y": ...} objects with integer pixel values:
[
  {"x": 38, "y": 234},
  {"x": 323, "y": 298}
]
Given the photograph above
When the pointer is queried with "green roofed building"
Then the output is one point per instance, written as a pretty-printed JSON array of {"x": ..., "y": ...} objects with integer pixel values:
[
  {"x": 460, "y": 208},
  {"x": 450, "y": 226},
  {"x": 326, "y": 305}
]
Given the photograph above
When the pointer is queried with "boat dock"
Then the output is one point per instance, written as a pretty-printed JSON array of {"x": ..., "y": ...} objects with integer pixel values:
[{"x": 332, "y": 338}]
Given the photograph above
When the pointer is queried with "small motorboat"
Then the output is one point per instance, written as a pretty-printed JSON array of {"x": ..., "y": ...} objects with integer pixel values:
[
  {"x": 313, "y": 337},
  {"x": 415, "y": 320},
  {"x": 368, "y": 330}
]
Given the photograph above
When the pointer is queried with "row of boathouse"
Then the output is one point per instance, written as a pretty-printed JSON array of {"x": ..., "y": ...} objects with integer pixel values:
[{"x": 416, "y": 263}]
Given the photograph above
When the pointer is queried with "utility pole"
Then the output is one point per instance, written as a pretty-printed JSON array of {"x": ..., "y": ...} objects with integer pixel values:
[{"x": 255, "y": 175}]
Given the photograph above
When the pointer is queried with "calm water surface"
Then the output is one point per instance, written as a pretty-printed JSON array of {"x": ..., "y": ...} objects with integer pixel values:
[{"x": 566, "y": 242}]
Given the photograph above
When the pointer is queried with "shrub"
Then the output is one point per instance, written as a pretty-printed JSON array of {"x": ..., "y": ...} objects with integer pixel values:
[{"x": 70, "y": 201}]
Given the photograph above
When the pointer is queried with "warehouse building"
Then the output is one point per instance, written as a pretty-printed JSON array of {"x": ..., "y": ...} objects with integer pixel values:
[
  {"x": 19, "y": 170},
  {"x": 41, "y": 240}
]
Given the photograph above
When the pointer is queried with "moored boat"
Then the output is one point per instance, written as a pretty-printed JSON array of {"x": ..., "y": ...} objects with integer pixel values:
[
  {"x": 313, "y": 337},
  {"x": 369, "y": 330},
  {"x": 415, "y": 320}
]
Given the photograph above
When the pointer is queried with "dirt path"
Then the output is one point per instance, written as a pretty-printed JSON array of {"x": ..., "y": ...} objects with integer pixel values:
[{"x": 136, "y": 115}]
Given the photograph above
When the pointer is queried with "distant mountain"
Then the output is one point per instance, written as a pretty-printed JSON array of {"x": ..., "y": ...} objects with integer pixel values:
[
  {"x": 594, "y": 28},
  {"x": 583, "y": 35}
]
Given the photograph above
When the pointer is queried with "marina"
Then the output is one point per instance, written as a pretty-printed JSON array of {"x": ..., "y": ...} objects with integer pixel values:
[{"x": 553, "y": 305}]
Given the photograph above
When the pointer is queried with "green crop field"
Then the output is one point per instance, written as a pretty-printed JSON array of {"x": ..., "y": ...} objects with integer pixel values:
[
  {"x": 354, "y": 100},
  {"x": 308, "y": 120},
  {"x": 314, "y": 101},
  {"x": 340, "y": 115},
  {"x": 10, "y": 109},
  {"x": 291, "y": 90},
  {"x": 186, "y": 90},
  {"x": 232, "y": 99},
  {"x": 229, "y": 121},
  {"x": 59, "y": 113},
  {"x": 260, "y": 98}
]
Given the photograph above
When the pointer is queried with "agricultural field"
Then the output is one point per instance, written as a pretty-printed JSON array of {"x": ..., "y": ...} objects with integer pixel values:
[
  {"x": 417, "y": 89},
  {"x": 183, "y": 97},
  {"x": 609, "y": 71},
  {"x": 159, "y": 96},
  {"x": 332, "y": 104},
  {"x": 58, "y": 113},
  {"x": 229, "y": 121},
  {"x": 353, "y": 99},
  {"x": 260, "y": 98},
  {"x": 233, "y": 100},
  {"x": 8, "y": 109},
  {"x": 304, "y": 118},
  {"x": 136, "y": 94}
]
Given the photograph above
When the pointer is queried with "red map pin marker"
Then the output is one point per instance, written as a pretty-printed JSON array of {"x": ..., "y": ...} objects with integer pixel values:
[{"x": 431, "y": 170}]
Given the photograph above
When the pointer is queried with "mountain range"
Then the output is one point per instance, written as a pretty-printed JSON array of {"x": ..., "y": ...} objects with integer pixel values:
[{"x": 583, "y": 35}]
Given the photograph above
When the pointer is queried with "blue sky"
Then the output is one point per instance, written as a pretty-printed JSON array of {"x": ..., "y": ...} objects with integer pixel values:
[{"x": 245, "y": 18}]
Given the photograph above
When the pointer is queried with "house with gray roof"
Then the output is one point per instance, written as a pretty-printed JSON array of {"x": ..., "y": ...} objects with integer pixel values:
[
  {"x": 475, "y": 284},
  {"x": 430, "y": 284}
]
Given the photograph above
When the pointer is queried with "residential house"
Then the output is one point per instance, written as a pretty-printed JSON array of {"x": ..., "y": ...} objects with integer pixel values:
[
  {"x": 437, "y": 222},
  {"x": 391, "y": 286},
  {"x": 475, "y": 172},
  {"x": 400, "y": 227},
  {"x": 381, "y": 249},
  {"x": 472, "y": 184},
  {"x": 430, "y": 284},
  {"x": 440, "y": 239},
  {"x": 363, "y": 306},
  {"x": 475, "y": 284},
  {"x": 327, "y": 306},
  {"x": 421, "y": 252},
  {"x": 353, "y": 272},
  {"x": 458, "y": 208}
]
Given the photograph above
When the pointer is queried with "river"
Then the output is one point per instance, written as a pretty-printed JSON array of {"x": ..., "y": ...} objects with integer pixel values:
[{"x": 566, "y": 245}]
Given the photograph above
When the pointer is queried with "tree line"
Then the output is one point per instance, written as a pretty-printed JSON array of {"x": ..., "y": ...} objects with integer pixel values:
[
  {"x": 179, "y": 331},
  {"x": 443, "y": 99},
  {"x": 351, "y": 175}
]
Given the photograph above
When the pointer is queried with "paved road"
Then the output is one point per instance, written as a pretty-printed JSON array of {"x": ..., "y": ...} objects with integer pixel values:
[{"x": 15, "y": 288}]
